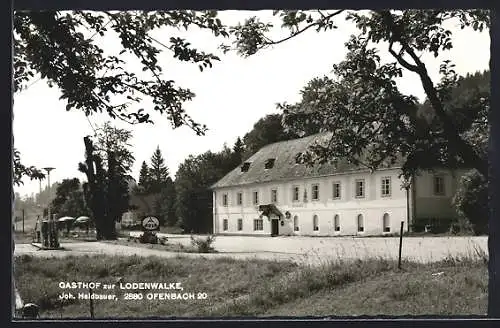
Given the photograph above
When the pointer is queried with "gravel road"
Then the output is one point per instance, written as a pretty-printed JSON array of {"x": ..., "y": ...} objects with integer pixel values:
[{"x": 312, "y": 250}]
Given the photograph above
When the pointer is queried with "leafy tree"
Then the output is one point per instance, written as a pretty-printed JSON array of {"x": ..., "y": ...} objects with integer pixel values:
[
  {"x": 117, "y": 190},
  {"x": 193, "y": 179},
  {"x": 471, "y": 201},
  {"x": 144, "y": 178},
  {"x": 267, "y": 130},
  {"x": 165, "y": 204},
  {"x": 52, "y": 46},
  {"x": 369, "y": 119},
  {"x": 69, "y": 200},
  {"x": 21, "y": 170},
  {"x": 369, "y": 83},
  {"x": 114, "y": 142},
  {"x": 107, "y": 166},
  {"x": 158, "y": 172}
]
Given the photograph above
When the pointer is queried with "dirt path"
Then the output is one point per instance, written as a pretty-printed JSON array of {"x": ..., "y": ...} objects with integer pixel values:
[{"x": 298, "y": 249}]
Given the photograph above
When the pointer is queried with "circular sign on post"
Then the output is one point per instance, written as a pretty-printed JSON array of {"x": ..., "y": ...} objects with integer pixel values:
[{"x": 150, "y": 223}]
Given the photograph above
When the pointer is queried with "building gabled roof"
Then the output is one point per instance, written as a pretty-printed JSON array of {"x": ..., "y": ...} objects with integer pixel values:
[{"x": 285, "y": 166}]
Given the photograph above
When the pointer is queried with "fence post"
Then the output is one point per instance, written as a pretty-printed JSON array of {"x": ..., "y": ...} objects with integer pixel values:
[{"x": 400, "y": 244}]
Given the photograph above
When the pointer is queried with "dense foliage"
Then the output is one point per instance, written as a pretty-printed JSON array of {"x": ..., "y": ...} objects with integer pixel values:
[
  {"x": 65, "y": 50},
  {"x": 69, "y": 199},
  {"x": 370, "y": 119},
  {"x": 194, "y": 203},
  {"x": 155, "y": 180},
  {"x": 471, "y": 202},
  {"x": 107, "y": 165}
]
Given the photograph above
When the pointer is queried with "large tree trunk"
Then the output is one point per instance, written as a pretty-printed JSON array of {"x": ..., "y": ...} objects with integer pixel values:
[
  {"x": 494, "y": 224},
  {"x": 95, "y": 189}
]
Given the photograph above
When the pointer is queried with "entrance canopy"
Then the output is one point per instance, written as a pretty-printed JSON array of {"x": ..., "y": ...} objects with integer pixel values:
[{"x": 270, "y": 209}]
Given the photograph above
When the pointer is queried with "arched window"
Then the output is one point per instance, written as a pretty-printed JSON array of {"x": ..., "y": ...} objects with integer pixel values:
[
  {"x": 295, "y": 223},
  {"x": 361, "y": 227},
  {"x": 336, "y": 222},
  {"x": 315, "y": 223},
  {"x": 386, "y": 223}
]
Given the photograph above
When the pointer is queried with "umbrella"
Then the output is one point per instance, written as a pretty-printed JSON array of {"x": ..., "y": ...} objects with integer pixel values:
[
  {"x": 82, "y": 219},
  {"x": 66, "y": 218}
]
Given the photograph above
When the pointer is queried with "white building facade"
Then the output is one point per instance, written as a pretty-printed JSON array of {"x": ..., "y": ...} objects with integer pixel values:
[{"x": 272, "y": 194}]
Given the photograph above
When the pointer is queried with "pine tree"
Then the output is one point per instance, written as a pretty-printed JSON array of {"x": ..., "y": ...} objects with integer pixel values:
[
  {"x": 238, "y": 149},
  {"x": 144, "y": 176},
  {"x": 165, "y": 204},
  {"x": 158, "y": 172}
]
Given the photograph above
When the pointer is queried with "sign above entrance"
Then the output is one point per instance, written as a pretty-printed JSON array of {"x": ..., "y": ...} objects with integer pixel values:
[{"x": 150, "y": 223}]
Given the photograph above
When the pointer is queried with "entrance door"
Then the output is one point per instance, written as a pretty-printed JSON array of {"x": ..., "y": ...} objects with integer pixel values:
[{"x": 274, "y": 227}]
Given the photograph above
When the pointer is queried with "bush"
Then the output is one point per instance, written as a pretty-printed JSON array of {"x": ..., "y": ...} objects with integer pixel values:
[
  {"x": 148, "y": 238},
  {"x": 471, "y": 202},
  {"x": 418, "y": 227},
  {"x": 203, "y": 245}
]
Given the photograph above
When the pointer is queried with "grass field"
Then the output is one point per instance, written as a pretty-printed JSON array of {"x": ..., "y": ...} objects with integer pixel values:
[{"x": 259, "y": 288}]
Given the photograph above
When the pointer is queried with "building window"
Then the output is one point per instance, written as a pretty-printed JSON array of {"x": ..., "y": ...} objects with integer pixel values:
[
  {"x": 315, "y": 192},
  {"x": 274, "y": 196},
  {"x": 315, "y": 223},
  {"x": 386, "y": 187},
  {"x": 439, "y": 185},
  {"x": 245, "y": 167},
  {"x": 295, "y": 223},
  {"x": 336, "y": 190},
  {"x": 224, "y": 200},
  {"x": 336, "y": 222},
  {"x": 224, "y": 224},
  {"x": 386, "y": 222},
  {"x": 258, "y": 225},
  {"x": 256, "y": 198},
  {"x": 240, "y": 224},
  {"x": 361, "y": 227},
  {"x": 295, "y": 192},
  {"x": 269, "y": 163},
  {"x": 360, "y": 188},
  {"x": 239, "y": 198}
]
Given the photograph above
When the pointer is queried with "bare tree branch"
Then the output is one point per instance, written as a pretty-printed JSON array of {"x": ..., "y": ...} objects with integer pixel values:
[{"x": 401, "y": 60}]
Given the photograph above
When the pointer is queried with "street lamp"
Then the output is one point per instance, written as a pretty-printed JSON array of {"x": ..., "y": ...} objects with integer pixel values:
[
  {"x": 52, "y": 236},
  {"x": 48, "y": 169}
]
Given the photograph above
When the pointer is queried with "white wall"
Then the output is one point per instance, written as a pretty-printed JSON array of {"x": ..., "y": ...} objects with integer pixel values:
[
  {"x": 428, "y": 205},
  {"x": 372, "y": 206}
]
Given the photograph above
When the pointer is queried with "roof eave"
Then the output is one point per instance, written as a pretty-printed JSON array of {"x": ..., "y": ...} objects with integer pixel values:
[{"x": 303, "y": 177}]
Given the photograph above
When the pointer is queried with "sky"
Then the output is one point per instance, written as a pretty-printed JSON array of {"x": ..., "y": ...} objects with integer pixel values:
[{"x": 230, "y": 97}]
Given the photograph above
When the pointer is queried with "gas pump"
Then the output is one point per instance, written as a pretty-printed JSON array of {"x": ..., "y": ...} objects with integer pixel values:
[
  {"x": 50, "y": 236},
  {"x": 54, "y": 234}
]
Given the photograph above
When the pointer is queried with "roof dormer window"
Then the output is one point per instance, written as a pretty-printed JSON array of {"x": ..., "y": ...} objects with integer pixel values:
[
  {"x": 245, "y": 167},
  {"x": 269, "y": 163}
]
